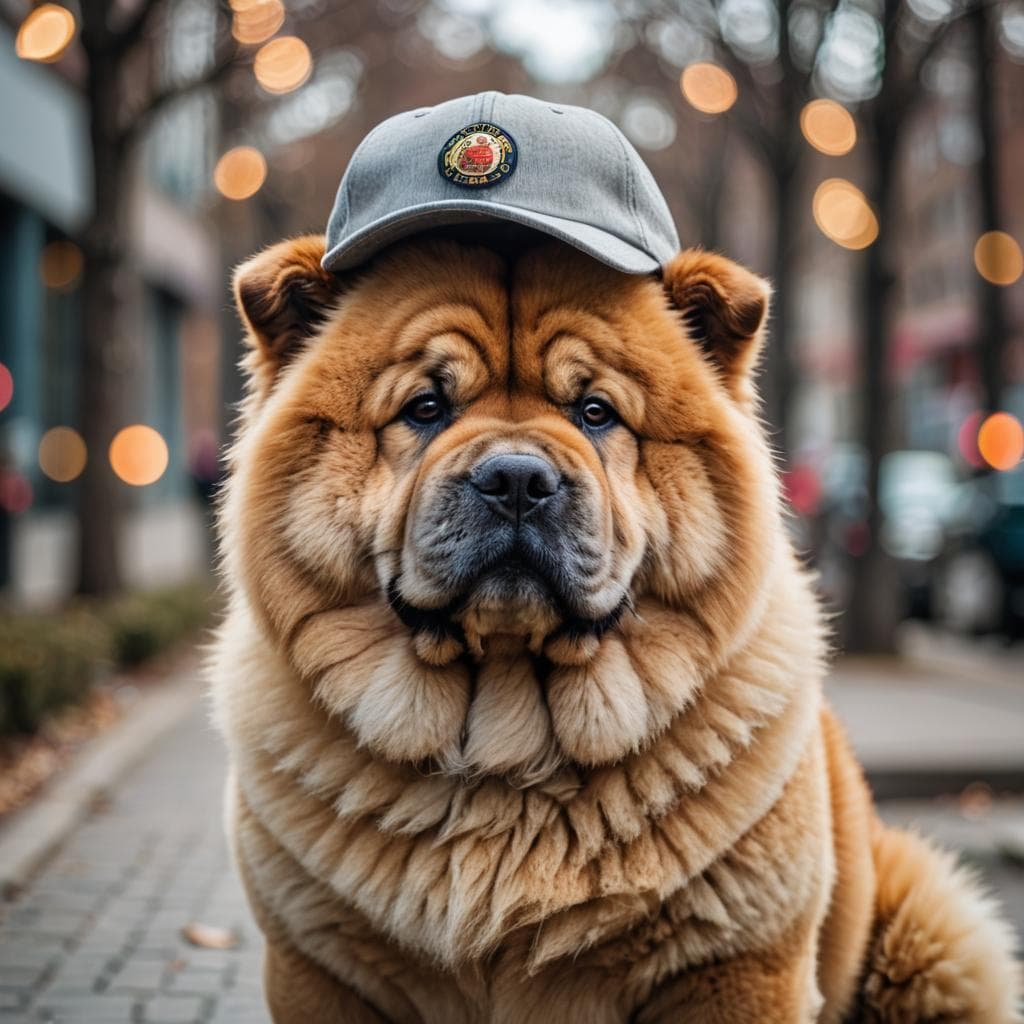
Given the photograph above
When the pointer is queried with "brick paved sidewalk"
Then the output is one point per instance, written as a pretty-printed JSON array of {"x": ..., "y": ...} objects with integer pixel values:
[{"x": 95, "y": 938}]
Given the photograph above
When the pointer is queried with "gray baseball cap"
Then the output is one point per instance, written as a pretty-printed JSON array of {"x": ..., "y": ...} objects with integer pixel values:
[{"x": 566, "y": 171}]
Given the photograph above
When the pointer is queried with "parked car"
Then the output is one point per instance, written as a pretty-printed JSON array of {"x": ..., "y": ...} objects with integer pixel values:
[
  {"x": 978, "y": 584},
  {"x": 917, "y": 493}
]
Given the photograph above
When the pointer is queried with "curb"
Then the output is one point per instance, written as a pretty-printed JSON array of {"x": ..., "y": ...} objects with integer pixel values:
[
  {"x": 927, "y": 783},
  {"x": 931, "y": 650},
  {"x": 34, "y": 833}
]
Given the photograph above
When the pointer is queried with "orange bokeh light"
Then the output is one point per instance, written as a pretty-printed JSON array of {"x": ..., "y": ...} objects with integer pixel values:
[
  {"x": 257, "y": 22},
  {"x": 45, "y": 33},
  {"x": 240, "y": 172},
  {"x": 829, "y": 127},
  {"x": 60, "y": 265},
  {"x": 138, "y": 455},
  {"x": 6, "y": 387},
  {"x": 998, "y": 258},
  {"x": 62, "y": 454},
  {"x": 843, "y": 214},
  {"x": 1001, "y": 440},
  {"x": 708, "y": 87},
  {"x": 283, "y": 64}
]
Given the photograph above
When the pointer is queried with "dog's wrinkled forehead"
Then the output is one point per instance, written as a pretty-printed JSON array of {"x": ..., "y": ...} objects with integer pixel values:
[
  {"x": 541, "y": 321},
  {"x": 509, "y": 337}
]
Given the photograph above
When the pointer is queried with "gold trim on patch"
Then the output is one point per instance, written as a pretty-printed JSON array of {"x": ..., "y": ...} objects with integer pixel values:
[{"x": 478, "y": 156}]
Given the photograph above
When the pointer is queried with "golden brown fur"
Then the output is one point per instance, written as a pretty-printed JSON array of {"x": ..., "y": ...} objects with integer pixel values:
[{"x": 612, "y": 797}]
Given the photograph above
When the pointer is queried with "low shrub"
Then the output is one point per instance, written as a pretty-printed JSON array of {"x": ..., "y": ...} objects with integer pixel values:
[
  {"x": 47, "y": 661},
  {"x": 50, "y": 660},
  {"x": 144, "y": 624}
]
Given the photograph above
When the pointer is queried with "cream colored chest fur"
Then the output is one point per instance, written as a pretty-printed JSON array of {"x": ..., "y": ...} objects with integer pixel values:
[{"x": 715, "y": 832}]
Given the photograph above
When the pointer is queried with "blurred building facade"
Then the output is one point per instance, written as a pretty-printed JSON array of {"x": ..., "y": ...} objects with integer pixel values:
[
  {"x": 937, "y": 335},
  {"x": 934, "y": 350},
  {"x": 172, "y": 301}
]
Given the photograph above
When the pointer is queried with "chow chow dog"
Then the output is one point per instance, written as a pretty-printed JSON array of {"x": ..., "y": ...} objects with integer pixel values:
[{"x": 521, "y": 678}]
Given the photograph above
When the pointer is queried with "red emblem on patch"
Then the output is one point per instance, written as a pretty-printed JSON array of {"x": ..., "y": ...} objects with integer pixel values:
[
  {"x": 476, "y": 157},
  {"x": 481, "y": 154}
]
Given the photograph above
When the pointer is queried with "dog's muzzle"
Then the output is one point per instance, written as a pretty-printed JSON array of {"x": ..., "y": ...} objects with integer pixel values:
[{"x": 507, "y": 547}]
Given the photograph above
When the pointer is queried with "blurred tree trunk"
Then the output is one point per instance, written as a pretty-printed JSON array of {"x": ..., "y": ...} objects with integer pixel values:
[
  {"x": 785, "y": 164},
  {"x": 780, "y": 370},
  {"x": 874, "y": 610},
  {"x": 991, "y": 308},
  {"x": 104, "y": 359},
  {"x": 769, "y": 117},
  {"x": 119, "y": 109},
  {"x": 709, "y": 191},
  {"x": 873, "y": 613}
]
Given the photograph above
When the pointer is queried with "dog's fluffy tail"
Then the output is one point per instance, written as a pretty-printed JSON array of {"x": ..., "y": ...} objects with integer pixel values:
[{"x": 940, "y": 951}]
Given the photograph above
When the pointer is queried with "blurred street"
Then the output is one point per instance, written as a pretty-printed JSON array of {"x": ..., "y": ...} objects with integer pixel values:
[
  {"x": 96, "y": 935},
  {"x": 925, "y": 725}
]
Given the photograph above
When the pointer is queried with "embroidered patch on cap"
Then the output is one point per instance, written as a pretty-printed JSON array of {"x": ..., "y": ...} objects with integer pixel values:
[{"x": 478, "y": 156}]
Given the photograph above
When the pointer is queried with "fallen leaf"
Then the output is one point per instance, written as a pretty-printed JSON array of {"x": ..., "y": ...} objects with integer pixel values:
[
  {"x": 209, "y": 936},
  {"x": 976, "y": 801}
]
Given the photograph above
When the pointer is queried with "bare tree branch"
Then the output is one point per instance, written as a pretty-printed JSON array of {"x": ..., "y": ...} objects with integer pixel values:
[
  {"x": 906, "y": 94},
  {"x": 162, "y": 98},
  {"x": 162, "y": 94},
  {"x": 134, "y": 27},
  {"x": 790, "y": 74},
  {"x": 751, "y": 115}
]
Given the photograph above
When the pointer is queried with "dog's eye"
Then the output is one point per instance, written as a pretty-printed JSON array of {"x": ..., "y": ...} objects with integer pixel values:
[
  {"x": 425, "y": 410},
  {"x": 596, "y": 413}
]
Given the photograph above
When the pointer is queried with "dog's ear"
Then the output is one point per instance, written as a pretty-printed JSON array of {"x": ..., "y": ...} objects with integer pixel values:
[
  {"x": 283, "y": 295},
  {"x": 724, "y": 308}
]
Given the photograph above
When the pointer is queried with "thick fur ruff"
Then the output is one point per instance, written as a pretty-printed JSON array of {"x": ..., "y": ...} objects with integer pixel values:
[{"x": 591, "y": 779}]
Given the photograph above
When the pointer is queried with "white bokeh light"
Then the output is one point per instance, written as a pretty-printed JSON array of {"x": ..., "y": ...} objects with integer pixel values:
[
  {"x": 648, "y": 122},
  {"x": 751, "y": 27},
  {"x": 852, "y": 55},
  {"x": 558, "y": 41},
  {"x": 325, "y": 99}
]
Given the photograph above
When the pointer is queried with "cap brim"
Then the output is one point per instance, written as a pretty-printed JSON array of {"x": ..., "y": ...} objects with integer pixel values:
[{"x": 602, "y": 245}]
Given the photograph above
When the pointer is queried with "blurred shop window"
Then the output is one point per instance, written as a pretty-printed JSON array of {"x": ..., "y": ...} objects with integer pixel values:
[
  {"x": 41, "y": 453},
  {"x": 926, "y": 399},
  {"x": 22, "y": 298},
  {"x": 179, "y": 147},
  {"x": 188, "y": 50},
  {"x": 163, "y": 395}
]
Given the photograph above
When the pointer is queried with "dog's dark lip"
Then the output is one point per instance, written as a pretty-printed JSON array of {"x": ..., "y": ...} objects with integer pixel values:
[
  {"x": 575, "y": 628},
  {"x": 442, "y": 622},
  {"x": 439, "y": 622}
]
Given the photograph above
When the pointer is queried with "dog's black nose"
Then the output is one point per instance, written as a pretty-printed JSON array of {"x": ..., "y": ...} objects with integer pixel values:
[{"x": 515, "y": 485}]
